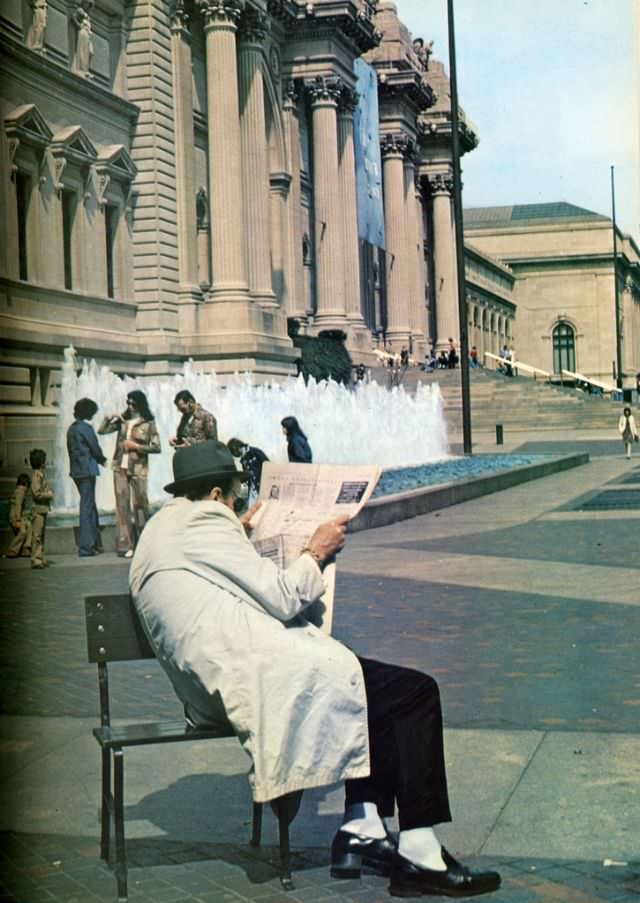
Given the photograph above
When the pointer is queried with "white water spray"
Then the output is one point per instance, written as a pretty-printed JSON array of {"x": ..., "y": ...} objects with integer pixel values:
[{"x": 368, "y": 425}]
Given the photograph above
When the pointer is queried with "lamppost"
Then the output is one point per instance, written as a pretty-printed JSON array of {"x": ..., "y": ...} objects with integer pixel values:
[
  {"x": 619, "y": 373},
  {"x": 459, "y": 233}
]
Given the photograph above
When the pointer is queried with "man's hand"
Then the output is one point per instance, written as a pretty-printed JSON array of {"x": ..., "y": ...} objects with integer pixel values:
[
  {"x": 329, "y": 538},
  {"x": 245, "y": 520},
  {"x": 130, "y": 445}
]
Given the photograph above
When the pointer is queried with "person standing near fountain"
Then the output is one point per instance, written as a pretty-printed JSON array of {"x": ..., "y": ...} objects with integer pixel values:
[
  {"x": 137, "y": 439},
  {"x": 196, "y": 424},
  {"x": 85, "y": 456},
  {"x": 298, "y": 447},
  {"x": 251, "y": 461}
]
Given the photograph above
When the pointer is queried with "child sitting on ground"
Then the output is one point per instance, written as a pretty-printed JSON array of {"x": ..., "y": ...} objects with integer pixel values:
[
  {"x": 41, "y": 496},
  {"x": 20, "y": 518}
]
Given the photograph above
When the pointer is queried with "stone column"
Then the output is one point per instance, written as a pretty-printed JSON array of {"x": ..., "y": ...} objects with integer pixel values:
[
  {"x": 444, "y": 251},
  {"x": 328, "y": 223},
  {"x": 227, "y": 230},
  {"x": 394, "y": 148},
  {"x": 294, "y": 259},
  {"x": 280, "y": 184},
  {"x": 414, "y": 242},
  {"x": 251, "y": 35},
  {"x": 347, "y": 175},
  {"x": 184, "y": 153}
]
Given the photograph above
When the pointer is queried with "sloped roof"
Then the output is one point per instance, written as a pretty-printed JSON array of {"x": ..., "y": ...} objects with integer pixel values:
[{"x": 529, "y": 214}]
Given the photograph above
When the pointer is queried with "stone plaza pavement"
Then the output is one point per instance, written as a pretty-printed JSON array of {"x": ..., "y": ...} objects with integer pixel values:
[{"x": 526, "y": 609}]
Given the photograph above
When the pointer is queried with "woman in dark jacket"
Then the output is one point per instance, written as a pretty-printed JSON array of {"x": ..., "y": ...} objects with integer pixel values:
[{"x": 297, "y": 445}]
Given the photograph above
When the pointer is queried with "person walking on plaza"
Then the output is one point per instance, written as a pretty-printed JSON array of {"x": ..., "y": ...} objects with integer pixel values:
[
  {"x": 137, "y": 439},
  {"x": 298, "y": 447},
  {"x": 229, "y": 629},
  {"x": 20, "y": 518},
  {"x": 628, "y": 430},
  {"x": 41, "y": 498},
  {"x": 196, "y": 424},
  {"x": 85, "y": 456},
  {"x": 452, "y": 356},
  {"x": 251, "y": 461}
]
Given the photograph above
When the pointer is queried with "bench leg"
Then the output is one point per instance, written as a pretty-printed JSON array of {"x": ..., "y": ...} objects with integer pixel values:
[
  {"x": 285, "y": 865},
  {"x": 257, "y": 825},
  {"x": 105, "y": 813},
  {"x": 121, "y": 856}
]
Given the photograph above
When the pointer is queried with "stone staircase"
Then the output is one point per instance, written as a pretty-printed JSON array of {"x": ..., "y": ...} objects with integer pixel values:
[{"x": 518, "y": 403}]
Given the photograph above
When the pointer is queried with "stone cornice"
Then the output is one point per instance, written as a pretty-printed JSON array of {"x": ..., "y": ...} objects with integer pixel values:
[
  {"x": 440, "y": 128},
  {"x": 51, "y": 72},
  {"x": 395, "y": 84}
]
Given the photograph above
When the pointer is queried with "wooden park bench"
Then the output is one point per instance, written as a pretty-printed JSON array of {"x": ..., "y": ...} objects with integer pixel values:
[{"x": 114, "y": 634}]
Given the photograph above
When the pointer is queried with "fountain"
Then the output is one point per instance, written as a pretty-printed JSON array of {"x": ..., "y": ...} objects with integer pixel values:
[{"x": 364, "y": 425}]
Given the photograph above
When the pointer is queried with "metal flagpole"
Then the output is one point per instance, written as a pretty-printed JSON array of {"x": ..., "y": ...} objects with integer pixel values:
[
  {"x": 619, "y": 373},
  {"x": 459, "y": 233}
]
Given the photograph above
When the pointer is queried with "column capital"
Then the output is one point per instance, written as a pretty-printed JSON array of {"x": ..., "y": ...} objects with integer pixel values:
[
  {"x": 179, "y": 18},
  {"x": 253, "y": 27},
  {"x": 439, "y": 183},
  {"x": 347, "y": 101},
  {"x": 292, "y": 92},
  {"x": 395, "y": 145},
  {"x": 221, "y": 12},
  {"x": 322, "y": 90}
]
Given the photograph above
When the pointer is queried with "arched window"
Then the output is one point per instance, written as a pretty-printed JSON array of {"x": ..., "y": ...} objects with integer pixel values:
[{"x": 564, "y": 348}]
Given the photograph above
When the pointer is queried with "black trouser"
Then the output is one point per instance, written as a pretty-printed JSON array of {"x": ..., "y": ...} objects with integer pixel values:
[{"x": 406, "y": 744}]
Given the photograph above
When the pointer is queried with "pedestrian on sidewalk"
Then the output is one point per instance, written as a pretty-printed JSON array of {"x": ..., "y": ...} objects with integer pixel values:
[
  {"x": 628, "y": 430},
  {"x": 20, "y": 518},
  {"x": 41, "y": 498},
  {"x": 251, "y": 461},
  {"x": 85, "y": 456},
  {"x": 196, "y": 423},
  {"x": 228, "y": 627}
]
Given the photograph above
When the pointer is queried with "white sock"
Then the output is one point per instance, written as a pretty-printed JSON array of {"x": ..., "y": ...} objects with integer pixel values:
[
  {"x": 422, "y": 847},
  {"x": 363, "y": 818}
]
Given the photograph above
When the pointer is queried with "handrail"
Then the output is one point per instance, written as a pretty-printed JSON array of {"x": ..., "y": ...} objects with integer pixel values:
[
  {"x": 585, "y": 379},
  {"x": 518, "y": 365}
]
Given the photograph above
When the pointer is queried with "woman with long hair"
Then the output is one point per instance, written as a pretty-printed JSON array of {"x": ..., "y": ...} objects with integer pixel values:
[
  {"x": 137, "y": 439},
  {"x": 298, "y": 447}
]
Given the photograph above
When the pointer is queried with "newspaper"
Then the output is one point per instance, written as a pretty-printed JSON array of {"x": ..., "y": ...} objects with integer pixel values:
[{"x": 297, "y": 498}]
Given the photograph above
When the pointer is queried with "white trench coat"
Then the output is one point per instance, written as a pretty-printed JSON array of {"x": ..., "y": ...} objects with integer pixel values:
[{"x": 216, "y": 614}]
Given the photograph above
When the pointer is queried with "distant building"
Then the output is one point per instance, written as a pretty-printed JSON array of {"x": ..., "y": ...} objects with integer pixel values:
[{"x": 562, "y": 259}]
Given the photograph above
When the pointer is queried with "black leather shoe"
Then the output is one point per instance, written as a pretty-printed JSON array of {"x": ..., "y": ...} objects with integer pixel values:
[
  {"x": 350, "y": 853},
  {"x": 409, "y": 880}
]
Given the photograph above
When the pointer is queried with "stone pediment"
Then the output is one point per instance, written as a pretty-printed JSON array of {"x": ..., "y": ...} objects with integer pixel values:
[
  {"x": 73, "y": 144},
  {"x": 28, "y": 126},
  {"x": 115, "y": 160}
]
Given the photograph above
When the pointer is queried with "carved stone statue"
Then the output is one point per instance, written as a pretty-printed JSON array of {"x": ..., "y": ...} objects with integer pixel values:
[
  {"x": 423, "y": 51},
  {"x": 84, "y": 43},
  {"x": 38, "y": 27}
]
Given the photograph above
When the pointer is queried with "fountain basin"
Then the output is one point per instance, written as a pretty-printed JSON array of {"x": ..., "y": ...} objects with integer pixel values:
[{"x": 397, "y": 497}]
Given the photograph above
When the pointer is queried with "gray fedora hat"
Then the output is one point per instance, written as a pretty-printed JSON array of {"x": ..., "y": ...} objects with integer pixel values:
[{"x": 202, "y": 460}]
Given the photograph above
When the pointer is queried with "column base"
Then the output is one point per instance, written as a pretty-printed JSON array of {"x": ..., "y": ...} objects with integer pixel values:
[
  {"x": 267, "y": 300},
  {"x": 398, "y": 338},
  {"x": 329, "y": 320},
  {"x": 228, "y": 293}
]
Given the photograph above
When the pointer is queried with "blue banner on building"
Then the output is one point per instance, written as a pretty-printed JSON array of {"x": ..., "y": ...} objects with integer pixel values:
[{"x": 368, "y": 158}]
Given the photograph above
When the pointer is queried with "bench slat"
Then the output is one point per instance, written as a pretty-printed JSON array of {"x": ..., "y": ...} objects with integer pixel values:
[
  {"x": 156, "y": 732},
  {"x": 114, "y": 632}
]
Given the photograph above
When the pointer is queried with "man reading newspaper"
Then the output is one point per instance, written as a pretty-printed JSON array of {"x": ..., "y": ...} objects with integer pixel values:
[{"x": 228, "y": 626}]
